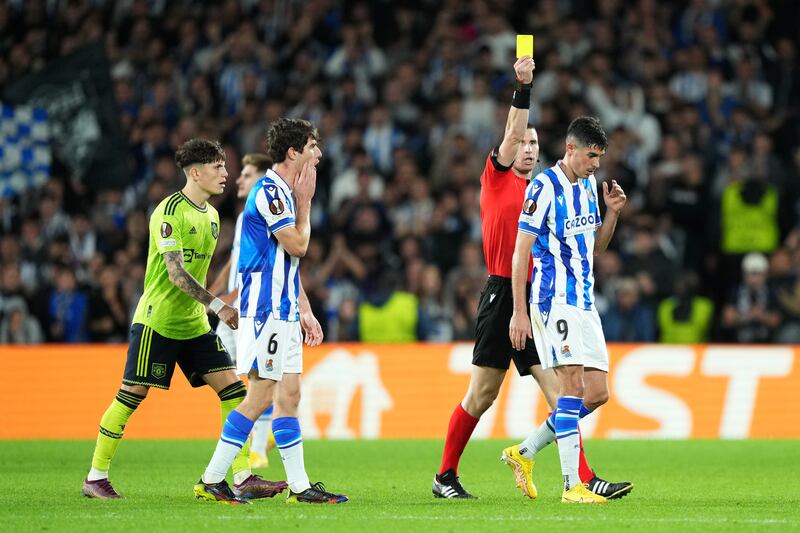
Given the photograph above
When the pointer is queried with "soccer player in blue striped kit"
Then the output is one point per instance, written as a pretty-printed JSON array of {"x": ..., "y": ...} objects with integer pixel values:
[
  {"x": 273, "y": 309},
  {"x": 560, "y": 227},
  {"x": 254, "y": 166}
]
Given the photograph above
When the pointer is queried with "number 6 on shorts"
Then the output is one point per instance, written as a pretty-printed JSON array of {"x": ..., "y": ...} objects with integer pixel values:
[{"x": 272, "y": 347}]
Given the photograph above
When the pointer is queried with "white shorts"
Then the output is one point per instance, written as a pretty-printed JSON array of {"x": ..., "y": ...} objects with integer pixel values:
[
  {"x": 274, "y": 347},
  {"x": 568, "y": 335},
  {"x": 228, "y": 338}
]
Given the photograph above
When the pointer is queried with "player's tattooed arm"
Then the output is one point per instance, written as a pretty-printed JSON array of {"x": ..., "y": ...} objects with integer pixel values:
[{"x": 183, "y": 280}]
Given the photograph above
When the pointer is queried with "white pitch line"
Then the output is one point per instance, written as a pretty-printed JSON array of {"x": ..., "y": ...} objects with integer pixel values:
[{"x": 758, "y": 521}]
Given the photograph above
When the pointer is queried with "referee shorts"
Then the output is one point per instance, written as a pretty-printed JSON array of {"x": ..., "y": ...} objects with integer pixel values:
[
  {"x": 492, "y": 343},
  {"x": 152, "y": 358}
]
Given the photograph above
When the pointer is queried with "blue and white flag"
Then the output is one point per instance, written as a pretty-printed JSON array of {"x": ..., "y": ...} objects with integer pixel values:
[
  {"x": 86, "y": 137},
  {"x": 24, "y": 148}
]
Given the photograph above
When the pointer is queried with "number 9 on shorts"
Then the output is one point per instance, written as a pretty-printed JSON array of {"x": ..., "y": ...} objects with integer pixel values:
[{"x": 568, "y": 335}]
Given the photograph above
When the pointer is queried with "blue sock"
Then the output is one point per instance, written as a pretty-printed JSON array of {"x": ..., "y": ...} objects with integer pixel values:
[
  {"x": 234, "y": 434},
  {"x": 236, "y": 429},
  {"x": 566, "y": 415},
  {"x": 290, "y": 445},
  {"x": 566, "y": 425},
  {"x": 287, "y": 432},
  {"x": 544, "y": 434},
  {"x": 551, "y": 422}
]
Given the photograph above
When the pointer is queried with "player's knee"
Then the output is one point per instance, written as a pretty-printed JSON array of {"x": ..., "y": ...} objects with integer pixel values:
[
  {"x": 596, "y": 399},
  {"x": 481, "y": 405},
  {"x": 479, "y": 400},
  {"x": 572, "y": 388},
  {"x": 289, "y": 399},
  {"x": 263, "y": 403},
  {"x": 253, "y": 405},
  {"x": 136, "y": 389}
]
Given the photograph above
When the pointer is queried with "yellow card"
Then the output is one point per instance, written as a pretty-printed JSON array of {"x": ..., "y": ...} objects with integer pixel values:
[{"x": 524, "y": 45}]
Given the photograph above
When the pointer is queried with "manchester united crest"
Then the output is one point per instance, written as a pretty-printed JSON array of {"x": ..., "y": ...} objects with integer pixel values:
[{"x": 159, "y": 370}]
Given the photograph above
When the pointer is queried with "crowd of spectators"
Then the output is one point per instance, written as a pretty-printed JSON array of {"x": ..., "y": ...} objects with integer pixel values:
[{"x": 700, "y": 99}]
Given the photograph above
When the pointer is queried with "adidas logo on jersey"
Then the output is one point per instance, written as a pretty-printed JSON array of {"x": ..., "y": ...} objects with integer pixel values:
[{"x": 193, "y": 231}]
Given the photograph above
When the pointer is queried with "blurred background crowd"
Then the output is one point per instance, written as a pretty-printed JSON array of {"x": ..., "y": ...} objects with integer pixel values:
[{"x": 699, "y": 98}]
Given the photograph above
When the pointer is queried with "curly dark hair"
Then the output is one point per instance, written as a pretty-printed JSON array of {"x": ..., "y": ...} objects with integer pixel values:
[
  {"x": 287, "y": 133},
  {"x": 198, "y": 151},
  {"x": 587, "y": 131}
]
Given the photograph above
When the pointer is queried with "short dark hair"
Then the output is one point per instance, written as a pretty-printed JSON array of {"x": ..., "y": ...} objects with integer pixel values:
[
  {"x": 260, "y": 161},
  {"x": 198, "y": 151},
  {"x": 287, "y": 133},
  {"x": 587, "y": 131}
]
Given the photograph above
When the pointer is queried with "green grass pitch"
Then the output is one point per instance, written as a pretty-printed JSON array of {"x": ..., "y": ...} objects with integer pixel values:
[{"x": 680, "y": 485}]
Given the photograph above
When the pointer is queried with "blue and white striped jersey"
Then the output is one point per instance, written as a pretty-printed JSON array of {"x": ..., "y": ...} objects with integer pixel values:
[
  {"x": 269, "y": 280},
  {"x": 563, "y": 217}
]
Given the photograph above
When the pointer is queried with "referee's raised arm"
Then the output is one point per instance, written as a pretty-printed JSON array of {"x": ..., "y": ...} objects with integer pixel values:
[{"x": 517, "y": 121}]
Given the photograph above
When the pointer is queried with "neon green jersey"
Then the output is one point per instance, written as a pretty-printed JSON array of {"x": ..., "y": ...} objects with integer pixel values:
[{"x": 177, "y": 225}]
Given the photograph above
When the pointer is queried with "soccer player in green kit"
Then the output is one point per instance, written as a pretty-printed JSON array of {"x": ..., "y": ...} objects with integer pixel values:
[{"x": 170, "y": 325}]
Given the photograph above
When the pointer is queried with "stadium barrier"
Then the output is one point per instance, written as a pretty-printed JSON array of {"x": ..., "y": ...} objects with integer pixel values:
[{"x": 409, "y": 391}]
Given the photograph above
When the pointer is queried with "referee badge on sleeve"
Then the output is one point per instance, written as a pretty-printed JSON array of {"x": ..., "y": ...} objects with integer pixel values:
[{"x": 529, "y": 206}]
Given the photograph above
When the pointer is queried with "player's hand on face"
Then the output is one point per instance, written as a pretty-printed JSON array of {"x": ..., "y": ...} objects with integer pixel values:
[
  {"x": 306, "y": 183},
  {"x": 614, "y": 196},
  {"x": 524, "y": 68},
  {"x": 311, "y": 328},
  {"x": 519, "y": 330},
  {"x": 230, "y": 316}
]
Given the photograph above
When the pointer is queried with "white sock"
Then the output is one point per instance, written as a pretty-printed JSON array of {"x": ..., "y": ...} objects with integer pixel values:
[
  {"x": 569, "y": 449},
  {"x": 220, "y": 462},
  {"x": 536, "y": 440},
  {"x": 295, "y": 468},
  {"x": 95, "y": 474},
  {"x": 241, "y": 475},
  {"x": 261, "y": 431}
]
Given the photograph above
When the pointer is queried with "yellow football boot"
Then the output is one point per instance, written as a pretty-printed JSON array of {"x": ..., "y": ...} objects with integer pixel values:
[
  {"x": 522, "y": 468},
  {"x": 257, "y": 460},
  {"x": 580, "y": 493}
]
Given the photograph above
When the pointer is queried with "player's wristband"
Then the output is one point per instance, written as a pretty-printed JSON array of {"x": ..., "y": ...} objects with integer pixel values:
[
  {"x": 216, "y": 305},
  {"x": 522, "y": 95}
]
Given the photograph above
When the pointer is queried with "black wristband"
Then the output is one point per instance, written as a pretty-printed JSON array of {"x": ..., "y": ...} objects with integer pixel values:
[
  {"x": 519, "y": 86},
  {"x": 522, "y": 97}
]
